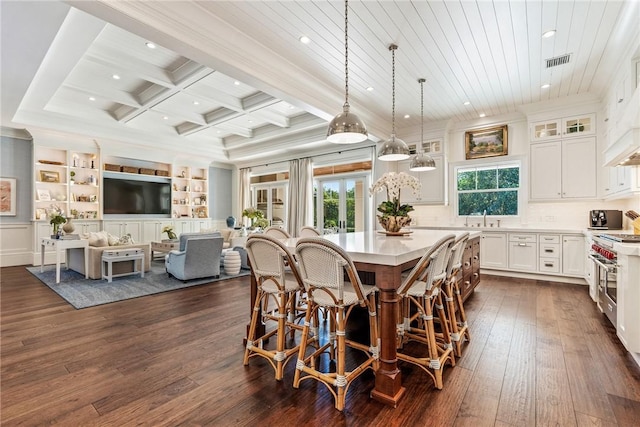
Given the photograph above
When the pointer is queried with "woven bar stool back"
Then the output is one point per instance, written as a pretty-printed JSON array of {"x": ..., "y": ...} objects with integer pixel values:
[
  {"x": 278, "y": 280},
  {"x": 323, "y": 268},
  {"x": 277, "y": 232},
  {"x": 456, "y": 317},
  {"x": 421, "y": 291},
  {"x": 308, "y": 231}
]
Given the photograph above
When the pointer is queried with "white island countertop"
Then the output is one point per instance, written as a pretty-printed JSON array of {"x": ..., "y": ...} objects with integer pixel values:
[
  {"x": 511, "y": 229},
  {"x": 377, "y": 248}
]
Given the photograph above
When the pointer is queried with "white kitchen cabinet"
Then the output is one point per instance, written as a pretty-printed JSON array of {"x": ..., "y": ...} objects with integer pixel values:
[
  {"x": 549, "y": 253},
  {"x": 579, "y": 125},
  {"x": 84, "y": 227},
  {"x": 120, "y": 228},
  {"x": 563, "y": 169},
  {"x": 573, "y": 258},
  {"x": 152, "y": 230},
  {"x": 493, "y": 250},
  {"x": 622, "y": 181},
  {"x": 432, "y": 190},
  {"x": 523, "y": 252},
  {"x": 546, "y": 130}
]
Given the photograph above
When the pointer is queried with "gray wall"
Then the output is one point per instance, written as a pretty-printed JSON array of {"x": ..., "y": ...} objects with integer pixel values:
[
  {"x": 16, "y": 161},
  {"x": 220, "y": 200}
]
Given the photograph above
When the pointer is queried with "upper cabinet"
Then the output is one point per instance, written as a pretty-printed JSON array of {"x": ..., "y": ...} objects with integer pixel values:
[
  {"x": 433, "y": 189},
  {"x": 68, "y": 180},
  {"x": 563, "y": 127}
]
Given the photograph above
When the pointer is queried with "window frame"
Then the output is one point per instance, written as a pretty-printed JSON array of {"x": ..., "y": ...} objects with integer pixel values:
[{"x": 518, "y": 161}]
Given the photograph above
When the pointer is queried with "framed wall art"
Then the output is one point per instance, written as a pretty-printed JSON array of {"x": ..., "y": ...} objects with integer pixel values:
[
  {"x": 49, "y": 176},
  {"x": 43, "y": 195},
  {"x": 486, "y": 142},
  {"x": 8, "y": 196}
]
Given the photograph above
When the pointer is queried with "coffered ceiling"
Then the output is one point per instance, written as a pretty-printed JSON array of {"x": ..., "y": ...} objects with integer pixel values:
[{"x": 229, "y": 81}]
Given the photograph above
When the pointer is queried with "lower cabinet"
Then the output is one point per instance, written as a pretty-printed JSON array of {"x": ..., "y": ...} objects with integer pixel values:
[
  {"x": 523, "y": 252},
  {"x": 121, "y": 228},
  {"x": 152, "y": 230},
  {"x": 573, "y": 259},
  {"x": 84, "y": 227},
  {"x": 493, "y": 247},
  {"x": 470, "y": 274}
]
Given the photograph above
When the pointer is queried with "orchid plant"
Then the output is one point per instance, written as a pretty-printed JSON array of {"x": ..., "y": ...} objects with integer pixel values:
[{"x": 392, "y": 183}]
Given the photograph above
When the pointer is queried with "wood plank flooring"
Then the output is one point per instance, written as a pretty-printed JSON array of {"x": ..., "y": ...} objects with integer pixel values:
[{"x": 541, "y": 354}]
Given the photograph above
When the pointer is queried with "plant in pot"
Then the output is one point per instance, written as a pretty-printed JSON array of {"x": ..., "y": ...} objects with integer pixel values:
[
  {"x": 56, "y": 219},
  {"x": 252, "y": 214},
  {"x": 170, "y": 233},
  {"x": 394, "y": 214}
]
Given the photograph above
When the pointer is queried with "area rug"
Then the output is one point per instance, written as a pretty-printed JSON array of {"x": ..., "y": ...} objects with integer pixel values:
[{"x": 83, "y": 293}]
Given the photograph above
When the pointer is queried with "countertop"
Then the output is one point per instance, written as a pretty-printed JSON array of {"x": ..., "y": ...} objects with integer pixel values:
[{"x": 508, "y": 229}]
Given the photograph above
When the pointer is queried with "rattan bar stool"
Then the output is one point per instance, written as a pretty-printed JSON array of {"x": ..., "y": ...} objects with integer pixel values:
[
  {"x": 278, "y": 281},
  {"x": 456, "y": 317},
  {"x": 277, "y": 232},
  {"x": 323, "y": 267},
  {"x": 308, "y": 231},
  {"x": 421, "y": 291}
]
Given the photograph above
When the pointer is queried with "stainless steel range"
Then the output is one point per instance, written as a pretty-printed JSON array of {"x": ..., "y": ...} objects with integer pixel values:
[{"x": 605, "y": 259}]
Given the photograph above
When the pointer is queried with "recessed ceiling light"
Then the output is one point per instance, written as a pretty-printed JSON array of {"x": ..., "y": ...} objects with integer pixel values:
[
  {"x": 150, "y": 45},
  {"x": 545, "y": 86},
  {"x": 218, "y": 131},
  {"x": 196, "y": 103},
  {"x": 92, "y": 98},
  {"x": 291, "y": 107},
  {"x": 548, "y": 33},
  {"x": 250, "y": 121},
  {"x": 467, "y": 103},
  {"x": 116, "y": 77},
  {"x": 237, "y": 83},
  {"x": 166, "y": 117},
  {"x": 483, "y": 115},
  {"x": 406, "y": 116},
  {"x": 304, "y": 39},
  {"x": 370, "y": 89}
]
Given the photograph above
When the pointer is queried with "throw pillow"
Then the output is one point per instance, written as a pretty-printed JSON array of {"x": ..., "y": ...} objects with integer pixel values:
[
  {"x": 113, "y": 240},
  {"x": 98, "y": 239},
  {"x": 126, "y": 240}
]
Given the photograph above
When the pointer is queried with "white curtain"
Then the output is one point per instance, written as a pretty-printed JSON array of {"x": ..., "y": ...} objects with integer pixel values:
[
  {"x": 245, "y": 191},
  {"x": 300, "y": 207}
]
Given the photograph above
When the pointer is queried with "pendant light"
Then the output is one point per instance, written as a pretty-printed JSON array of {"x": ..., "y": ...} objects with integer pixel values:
[
  {"x": 346, "y": 127},
  {"x": 422, "y": 162},
  {"x": 393, "y": 148}
]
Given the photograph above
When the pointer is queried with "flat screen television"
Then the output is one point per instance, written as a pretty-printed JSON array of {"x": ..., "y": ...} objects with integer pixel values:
[{"x": 133, "y": 197}]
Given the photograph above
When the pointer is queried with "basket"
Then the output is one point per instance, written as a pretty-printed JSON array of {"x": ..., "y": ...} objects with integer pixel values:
[
  {"x": 147, "y": 171},
  {"x": 162, "y": 173},
  {"x": 112, "y": 168},
  {"x": 128, "y": 169}
]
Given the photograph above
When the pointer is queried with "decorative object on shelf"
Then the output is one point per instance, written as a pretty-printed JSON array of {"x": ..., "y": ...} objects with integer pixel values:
[
  {"x": 43, "y": 195},
  {"x": 486, "y": 142},
  {"x": 49, "y": 176},
  {"x": 232, "y": 262},
  {"x": 346, "y": 127},
  {"x": 8, "y": 196},
  {"x": 252, "y": 214},
  {"x": 50, "y": 162},
  {"x": 112, "y": 168},
  {"x": 393, "y": 148},
  {"x": 170, "y": 233},
  {"x": 184, "y": 174},
  {"x": 394, "y": 215},
  {"x": 422, "y": 162},
  {"x": 68, "y": 226},
  {"x": 231, "y": 222},
  {"x": 203, "y": 199},
  {"x": 72, "y": 174},
  {"x": 56, "y": 218}
]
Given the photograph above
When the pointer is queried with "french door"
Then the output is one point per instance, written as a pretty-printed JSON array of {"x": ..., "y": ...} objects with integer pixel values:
[{"x": 341, "y": 204}]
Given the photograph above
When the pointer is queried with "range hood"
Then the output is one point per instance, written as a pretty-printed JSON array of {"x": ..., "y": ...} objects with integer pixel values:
[{"x": 625, "y": 151}]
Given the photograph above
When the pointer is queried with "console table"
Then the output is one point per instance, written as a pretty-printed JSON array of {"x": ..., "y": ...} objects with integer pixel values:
[
  {"x": 60, "y": 245},
  {"x": 164, "y": 247}
]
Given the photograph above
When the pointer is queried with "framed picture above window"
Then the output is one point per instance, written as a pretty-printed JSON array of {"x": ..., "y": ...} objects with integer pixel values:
[{"x": 486, "y": 142}]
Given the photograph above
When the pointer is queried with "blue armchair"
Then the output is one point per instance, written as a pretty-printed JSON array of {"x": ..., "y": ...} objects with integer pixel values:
[{"x": 198, "y": 256}]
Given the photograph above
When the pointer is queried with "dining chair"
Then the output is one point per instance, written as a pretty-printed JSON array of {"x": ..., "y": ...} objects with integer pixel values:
[
  {"x": 277, "y": 232},
  {"x": 308, "y": 231},
  {"x": 323, "y": 268},
  {"x": 278, "y": 281},
  {"x": 456, "y": 317},
  {"x": 421, "y": 298}
]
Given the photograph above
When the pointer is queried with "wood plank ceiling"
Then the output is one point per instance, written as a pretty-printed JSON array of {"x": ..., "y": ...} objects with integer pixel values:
[{"x": 478, "y": 57}]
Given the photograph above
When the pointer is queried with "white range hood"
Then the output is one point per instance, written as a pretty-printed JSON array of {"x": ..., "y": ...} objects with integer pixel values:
[{"x": 625, "y": 151}]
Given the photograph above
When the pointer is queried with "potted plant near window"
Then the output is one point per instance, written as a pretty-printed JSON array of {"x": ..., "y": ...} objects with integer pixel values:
[{"x": 394, "y": 214}]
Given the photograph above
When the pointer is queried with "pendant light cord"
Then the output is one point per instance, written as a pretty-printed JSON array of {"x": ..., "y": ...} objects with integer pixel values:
[
  {"x": 346, "y": 52},
  {"x": 421, "y": 113},
  {"x": 393, "y": 48}
]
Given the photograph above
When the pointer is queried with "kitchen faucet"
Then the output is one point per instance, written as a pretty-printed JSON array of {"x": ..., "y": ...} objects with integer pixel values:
[{"x": 484, "y": 218}]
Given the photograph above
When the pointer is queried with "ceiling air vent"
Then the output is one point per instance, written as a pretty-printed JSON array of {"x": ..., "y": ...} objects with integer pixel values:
[{"x": 558, "y": 60}]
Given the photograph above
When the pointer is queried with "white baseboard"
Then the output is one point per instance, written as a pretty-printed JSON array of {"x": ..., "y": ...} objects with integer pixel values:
[
  {"x": 533, "y": 276},
  {"x": 13, "y": 259}
]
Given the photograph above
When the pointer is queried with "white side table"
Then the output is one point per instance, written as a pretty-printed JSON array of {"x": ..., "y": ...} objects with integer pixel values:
[
  {"x": 232, "y": 262},
  {"x": 109, "y": 257},
  {"x": 60, "y": 245}
]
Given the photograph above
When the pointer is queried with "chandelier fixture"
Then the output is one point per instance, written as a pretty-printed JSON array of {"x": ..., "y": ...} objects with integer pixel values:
[
  {"x": 346, "y": 127},
  {"x": 393, "y": 148},
  {"x": 422, "y": 162}
]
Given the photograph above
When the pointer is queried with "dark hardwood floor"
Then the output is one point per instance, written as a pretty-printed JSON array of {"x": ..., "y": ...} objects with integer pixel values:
[{"x": 541, "y": 354}]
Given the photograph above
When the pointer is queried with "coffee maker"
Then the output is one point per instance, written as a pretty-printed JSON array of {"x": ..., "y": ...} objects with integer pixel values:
[{"x": 605, "y": 220}]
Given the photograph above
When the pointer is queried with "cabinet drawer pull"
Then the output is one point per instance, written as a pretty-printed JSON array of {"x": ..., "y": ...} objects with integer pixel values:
[
  {"x": 548, "y": 250},
  {"x": 548, "y": 264},
  {"x": 522, "y": 244}
]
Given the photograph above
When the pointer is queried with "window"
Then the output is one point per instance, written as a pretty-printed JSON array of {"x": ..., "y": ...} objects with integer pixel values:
[{"x": 494, "y": 188}]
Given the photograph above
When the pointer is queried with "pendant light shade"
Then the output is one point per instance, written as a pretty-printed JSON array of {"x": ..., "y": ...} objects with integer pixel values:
[
  {"x": 346, "y": 127},
  {"x": 422, "y": 162},
  {"x": 393, "y": 148}
]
